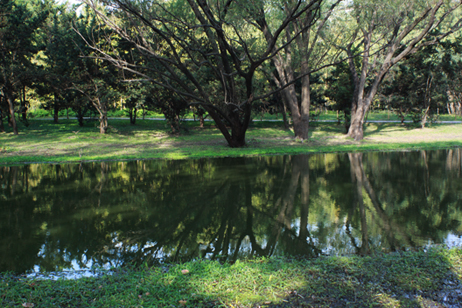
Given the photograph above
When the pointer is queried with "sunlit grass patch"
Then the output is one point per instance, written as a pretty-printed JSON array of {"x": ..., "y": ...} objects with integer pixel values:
[{"x": 44, "y": 141}]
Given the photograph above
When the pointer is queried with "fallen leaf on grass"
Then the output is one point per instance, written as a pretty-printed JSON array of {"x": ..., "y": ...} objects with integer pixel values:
[
  {"x": 184, "y": 272},
  {"x": 28, "y": 305},
  {"x": 182, "y": 302}
]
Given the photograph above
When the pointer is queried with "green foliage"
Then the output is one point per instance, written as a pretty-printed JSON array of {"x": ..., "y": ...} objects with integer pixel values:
[
  {"x": 20, "y": 26},
  {"x": 422, "y": 84}
]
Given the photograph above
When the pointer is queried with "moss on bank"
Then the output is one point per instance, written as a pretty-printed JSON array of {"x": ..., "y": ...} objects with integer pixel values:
[{"x": 430, "y": 278}]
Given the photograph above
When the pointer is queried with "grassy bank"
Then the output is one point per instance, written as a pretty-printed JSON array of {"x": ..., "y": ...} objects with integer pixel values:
[
  {"x": 404, "y": 279},
  {"x": 43, "y": 141}
]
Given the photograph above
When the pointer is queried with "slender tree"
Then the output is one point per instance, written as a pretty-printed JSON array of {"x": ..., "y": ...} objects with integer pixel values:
[
  {"x": 95, "y": 78},
  {"x": 388, "y": 31},
  {"x": 307, "y": 54}
]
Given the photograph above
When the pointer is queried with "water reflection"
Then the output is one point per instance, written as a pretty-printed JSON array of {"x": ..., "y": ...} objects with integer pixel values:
[{"x": 58, "y": 217}]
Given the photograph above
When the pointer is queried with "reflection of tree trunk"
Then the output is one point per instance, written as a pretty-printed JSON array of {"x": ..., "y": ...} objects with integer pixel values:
[
  {"x": 285, "y": 213},
  {"x": 304, "y": 201},
  {"x": 427, "y": 173},
  {"x": 14, "y": 180},
  {"x": 99, "y": 187},
  {"x": 389, "y": 226},
  {"x": 454, "y": 160},
  {"x": 357, "y": 175},
  {"x": 299, "y": 176}
]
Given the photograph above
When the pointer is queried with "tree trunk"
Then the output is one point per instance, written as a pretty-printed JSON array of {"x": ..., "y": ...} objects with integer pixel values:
[
  {"x": 56, "y": 113},
  {"x": 103, "y": 124},
  {"x": 79, "y": 114},
  {"x": 235, "y": 139},
  {"x": 201, "y": 120},
  {"x": 356, "y": 129},
  {"x": 130, "y": 115},
  {"x": 284, "y": 114},
  {"x": 237, "y": 136},
  {"x": 2, "y": 128},
  {"x": 304, "y": 106},
  {"x": 10, "y": 99},
  {"x": 24, "y": 108},
  {"x": 300, "y": 112}
]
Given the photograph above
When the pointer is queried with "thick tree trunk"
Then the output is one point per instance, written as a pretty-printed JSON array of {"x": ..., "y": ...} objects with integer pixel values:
[
  {"x": 103, "y": 122},
  {"x": 356, "y": 130},
  {"x": 235, "y": 139},
  {"x": 103, "y": 125},
  {"x": 302, "y": 133},
  {"x": 201, "y": 121},
  {"x": 300, "y": 112}
]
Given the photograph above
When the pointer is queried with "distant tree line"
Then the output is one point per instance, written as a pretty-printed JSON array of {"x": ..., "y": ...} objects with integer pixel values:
[{"x": 229, "y": 59}]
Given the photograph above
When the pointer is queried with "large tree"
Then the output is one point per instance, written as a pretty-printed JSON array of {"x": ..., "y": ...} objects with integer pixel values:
[
  {"x": 207, "y": 52},
  {"x": 20, "y": 22},
  {"x": 388, "y": 31}
]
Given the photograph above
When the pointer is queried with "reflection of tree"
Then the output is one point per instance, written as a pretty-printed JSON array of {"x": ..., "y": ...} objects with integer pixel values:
[
  {"x": 391, "y": 229},
  {"x": 402, "y": 205},
  {"x": 53, "y": 215},
  {"x": 298, "y": 184},
  {"x": 454, "y": 160}
]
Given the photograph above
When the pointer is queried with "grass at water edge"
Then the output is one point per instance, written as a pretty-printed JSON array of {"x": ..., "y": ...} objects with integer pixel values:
[{"x": 430, "y": 278}]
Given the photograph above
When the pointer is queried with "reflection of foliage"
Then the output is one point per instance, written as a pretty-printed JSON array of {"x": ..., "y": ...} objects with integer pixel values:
[{"x": 119, "y": 213}]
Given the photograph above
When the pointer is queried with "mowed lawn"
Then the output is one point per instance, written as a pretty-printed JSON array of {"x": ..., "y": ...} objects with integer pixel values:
[{"x": 44, "y": 141}]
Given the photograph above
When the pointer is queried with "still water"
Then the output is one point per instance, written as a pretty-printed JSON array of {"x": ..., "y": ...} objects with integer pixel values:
[{"x": 74, "y": 217}]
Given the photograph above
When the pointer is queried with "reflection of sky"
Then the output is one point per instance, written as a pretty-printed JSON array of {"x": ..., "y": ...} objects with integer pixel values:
[
  {"x": 453, "y": 240},
  {"x": 90, "y": 269}
]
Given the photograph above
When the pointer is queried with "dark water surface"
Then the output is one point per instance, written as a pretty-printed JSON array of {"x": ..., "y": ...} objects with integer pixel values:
[{"x": 73, "y": 217}]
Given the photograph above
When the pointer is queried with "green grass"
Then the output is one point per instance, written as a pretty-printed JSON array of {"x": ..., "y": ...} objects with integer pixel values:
[
  {"x": 43, "y": 141},
  {"x": 403, "y": 279}
]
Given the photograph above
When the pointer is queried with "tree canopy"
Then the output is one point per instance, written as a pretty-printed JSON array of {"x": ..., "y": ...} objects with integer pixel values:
[{"x": 225, "y": 59}]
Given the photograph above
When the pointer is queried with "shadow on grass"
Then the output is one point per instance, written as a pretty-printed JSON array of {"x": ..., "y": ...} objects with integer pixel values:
[
  {"x": 374, "y": 128},
  {"x": 406, "y": 279},
  {"x": 396, "y": 280}
]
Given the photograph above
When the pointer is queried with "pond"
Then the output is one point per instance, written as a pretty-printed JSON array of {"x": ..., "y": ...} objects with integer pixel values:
[{"x": 81, "y": 216}]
